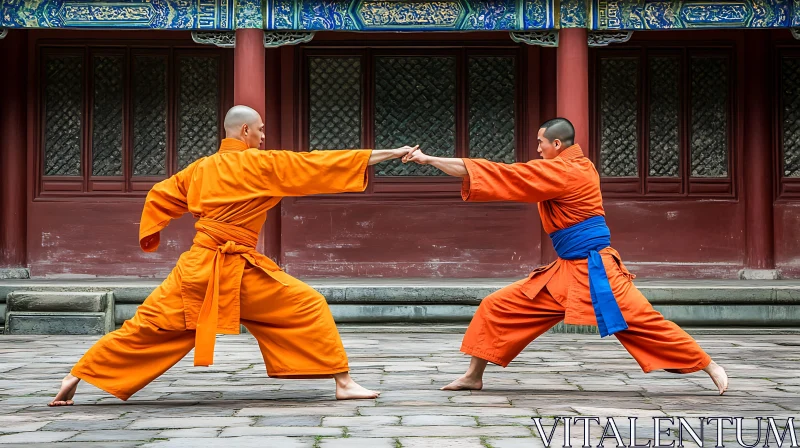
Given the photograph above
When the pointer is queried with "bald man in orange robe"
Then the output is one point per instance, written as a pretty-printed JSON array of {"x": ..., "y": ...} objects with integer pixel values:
[
  {"x": 587, "y": 285},
  {"x": 222, "y": 281}
]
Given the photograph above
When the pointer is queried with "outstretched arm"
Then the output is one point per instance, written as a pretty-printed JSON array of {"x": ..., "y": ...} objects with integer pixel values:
[
  {"x": 482, "y": 180},
  {"x": 288, "y": 173}
]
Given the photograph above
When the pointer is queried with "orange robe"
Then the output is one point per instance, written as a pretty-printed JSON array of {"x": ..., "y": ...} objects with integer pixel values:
[
  {"x": 222, "y": 281},
  {"x": 567, "y": 190}
]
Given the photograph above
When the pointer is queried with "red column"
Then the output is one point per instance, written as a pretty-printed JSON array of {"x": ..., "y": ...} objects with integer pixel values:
[
  {"x": 248, "y": 70},
  {"x": 273, "y": 122},
  {"x": 758, "y": 152},
  {"x": 573, "y": 82},
  {"x": 13, "y": 164},
  {"x": 249, "y": 89},
  {"x": 547, "y": 111}
]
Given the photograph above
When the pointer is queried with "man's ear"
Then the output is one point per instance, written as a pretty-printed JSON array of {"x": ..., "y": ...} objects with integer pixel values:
[
  {"x": 557, "y": 144},
  {"x": 245, "y": 128}
]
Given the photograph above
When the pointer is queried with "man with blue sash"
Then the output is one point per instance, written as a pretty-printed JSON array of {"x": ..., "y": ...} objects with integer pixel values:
[{"x": 587, "y": 285}]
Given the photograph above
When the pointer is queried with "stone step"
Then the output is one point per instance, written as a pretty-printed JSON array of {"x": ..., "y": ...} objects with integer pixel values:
[
  {"x": 42, "y": 323},
  {"x": 59, "y": 312},
  {"x": 447, "y": 291},
  {"x": 692, "y": 303},
  {"x": 72, "y": 301}
]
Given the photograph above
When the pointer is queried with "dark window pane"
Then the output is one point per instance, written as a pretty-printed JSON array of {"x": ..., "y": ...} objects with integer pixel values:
[
  {"x": 491, "y": 108},
  {"x": 63, "y": 115},
  {"x": 107, "y": 116},
  {"x": 790, "y": 70},
  {"x": 150, "y": 116},
  {"x": 709, "y": 140},
  {"x": 619, "y": 107},
  {"x": 415, "y": 103},
  {"x": 664, "y": 116},
  {"x": 334, "y": 103},
  {"x": 198, "y": 108}
]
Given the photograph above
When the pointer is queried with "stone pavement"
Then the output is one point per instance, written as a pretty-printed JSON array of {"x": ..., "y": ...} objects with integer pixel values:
[{"x": 235, "y": 404}]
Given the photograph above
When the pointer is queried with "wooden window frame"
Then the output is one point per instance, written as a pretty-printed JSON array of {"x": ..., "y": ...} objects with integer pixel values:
[
  {"x": 684, "y": 186},
  {"x": 67, "y": 184},
  {"x": 414, "y": 186},
  {"x": 785, "y": 188},
  {"x": 87, "y": 185}
]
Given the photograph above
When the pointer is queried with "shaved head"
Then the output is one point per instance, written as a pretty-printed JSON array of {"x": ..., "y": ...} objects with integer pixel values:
[
  {"x": 238, "y": 116},
  {"x": 555, "y": 136},
  {"x": 559, "y": 129},
  {"x": 245, "y": 124}
]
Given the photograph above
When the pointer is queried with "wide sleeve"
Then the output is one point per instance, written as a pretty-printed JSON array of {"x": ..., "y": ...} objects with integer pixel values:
[
  {"x": 534, "y": 181},
  {"x": 288, "y": 173},
  {"x": 165, "y": 201}
]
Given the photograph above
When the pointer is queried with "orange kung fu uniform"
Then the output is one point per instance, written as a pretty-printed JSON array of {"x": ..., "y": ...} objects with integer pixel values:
[
  {"x": 222, "y": 281},
  {"x": 567, "y": 190}
]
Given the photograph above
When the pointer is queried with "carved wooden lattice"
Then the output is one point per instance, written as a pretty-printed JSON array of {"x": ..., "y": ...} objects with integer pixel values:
[
  {"x": 415, "y": 103},
  {"x": 224, "y": 39},
  {"x": 334, "y": 103},
  {"x": 107, "y": 116},
  {"x": 709, "y": 139},
  {"x": 618, "y": 117},
  {"x": 790, "y": 72},
  {"x": 544, "y": 38},
  {"x": 198, "y": 108},
  {"x": 63, "y": 110},
  {"x": 150, "y": 116},
  {"x": 491, "y": 108},
  {"x": 664, "y": 117}
]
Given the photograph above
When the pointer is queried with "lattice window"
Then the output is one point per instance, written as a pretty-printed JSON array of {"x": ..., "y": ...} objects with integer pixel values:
[
  {"x": 133, "y": 116},
  {"x": 709, "y": 139},
  {"x": 415, "y": 103},
  {"x": 63, "y": 111},
  {"x": 618, "y": 111},
  {"x": 334, "y": 103},
  {"x": 790, "y": 95},
  {"x": 198, "y": 108},
  {"x": 492, "y": 107},
  {"x": 452, "y": 102},
  {"x": 664, "y": 117},
  {"x": 107, "y": 123},
  {"x": 150, "y": 116},
  {"x": 667, "y": 111}
]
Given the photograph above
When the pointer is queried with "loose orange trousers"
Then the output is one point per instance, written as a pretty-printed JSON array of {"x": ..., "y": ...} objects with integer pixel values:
[
  {"x": 292, "y": 324},
  {"x": 508, "y": 320}
]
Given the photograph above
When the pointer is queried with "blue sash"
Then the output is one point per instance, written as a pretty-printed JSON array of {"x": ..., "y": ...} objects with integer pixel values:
[{"x": 583, "y": 240}]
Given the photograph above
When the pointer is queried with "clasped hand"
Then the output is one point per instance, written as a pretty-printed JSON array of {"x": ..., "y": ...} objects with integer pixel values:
[{"x": 414, "y": 154}]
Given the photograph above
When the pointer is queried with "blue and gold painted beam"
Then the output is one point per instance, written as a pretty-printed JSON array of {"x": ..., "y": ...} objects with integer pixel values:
[{"x": 399, "y": 15}]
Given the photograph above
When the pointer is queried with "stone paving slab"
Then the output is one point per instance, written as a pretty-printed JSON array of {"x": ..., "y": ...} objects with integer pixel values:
[{"x": 234, "y": 403}]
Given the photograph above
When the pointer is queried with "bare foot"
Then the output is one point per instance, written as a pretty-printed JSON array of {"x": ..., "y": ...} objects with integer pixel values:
[
  {"x": 465, "y": 383},
  {"x": 719, "y": 376},
  {"x": 352, "y": 391},
  {"x": 68, "y": 387}
]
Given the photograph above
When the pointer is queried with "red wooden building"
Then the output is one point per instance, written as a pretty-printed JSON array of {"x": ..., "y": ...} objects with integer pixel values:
[{"x": 692, "y": 116}]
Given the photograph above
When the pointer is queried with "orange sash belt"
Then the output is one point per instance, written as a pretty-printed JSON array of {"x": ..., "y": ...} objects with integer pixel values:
[{"x": 237, "y": 241}]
